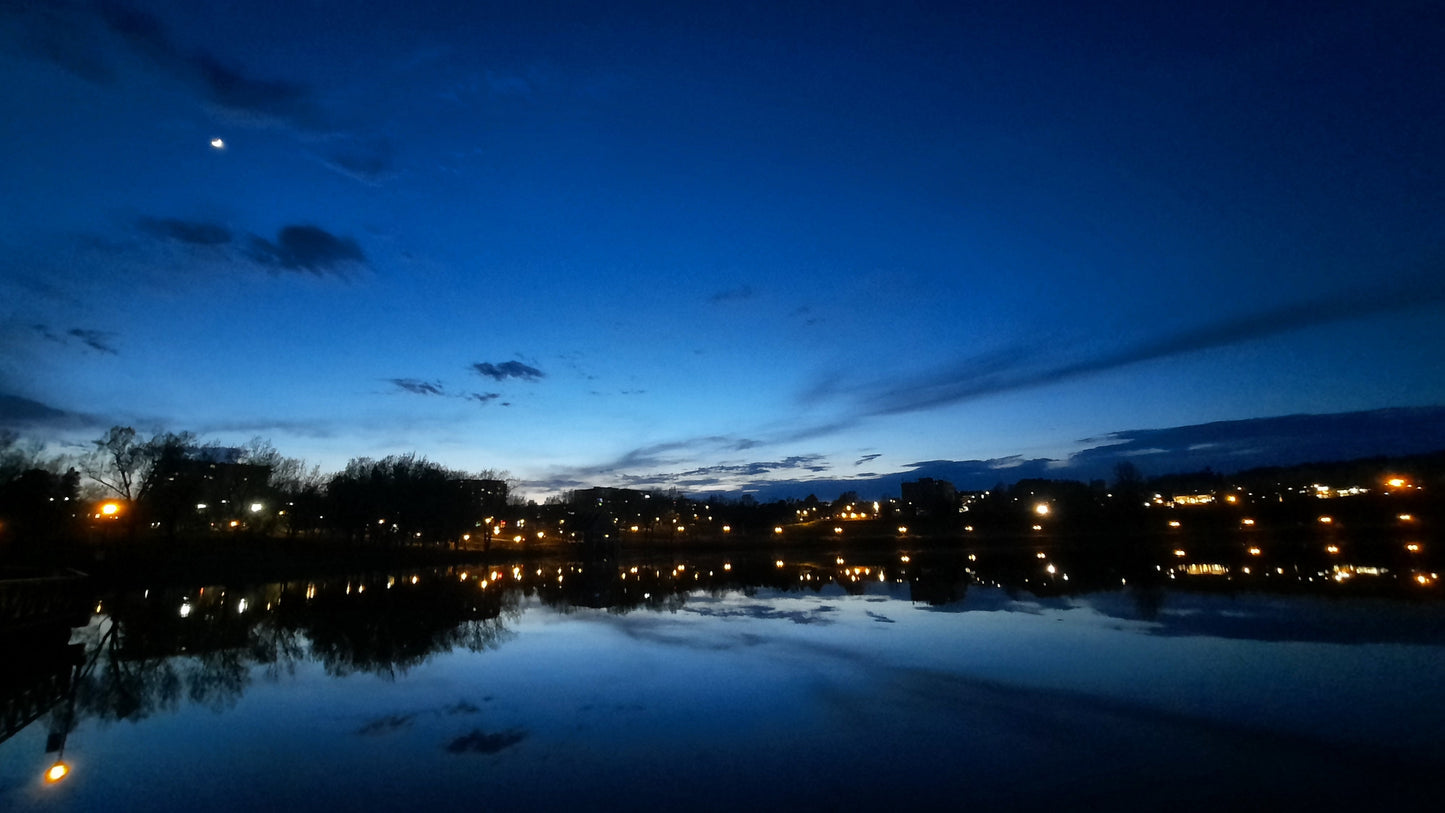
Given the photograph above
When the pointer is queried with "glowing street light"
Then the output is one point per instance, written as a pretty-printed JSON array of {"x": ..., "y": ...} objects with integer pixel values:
[
  {"x": 57, "y": 772},
  {"x": 1042, "y": 509}
]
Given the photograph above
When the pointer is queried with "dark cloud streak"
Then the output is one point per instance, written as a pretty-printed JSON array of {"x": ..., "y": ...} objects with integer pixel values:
[
  {"x": 94, "y": 339},
  {"x": 1023, "y": 367},
  {"x": 190, "y": 232},
  {"x": 100, "y": 340},
  {"x": 508, "y": 369},
  {"x": 739, "y": 294},
  {"x": 418, "y": 387},
  {"x": 306, "y": 248},
  {"x": 256, "y": 100},
  {"x": 297, "y": 247}
]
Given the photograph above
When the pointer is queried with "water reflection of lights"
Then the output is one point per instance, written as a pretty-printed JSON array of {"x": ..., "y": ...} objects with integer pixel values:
[
  {"x": 185, "y": 609},
  {"x": 57, "y": 772}
]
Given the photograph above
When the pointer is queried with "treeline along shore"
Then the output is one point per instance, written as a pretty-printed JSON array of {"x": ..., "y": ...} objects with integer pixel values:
[{"x": 171, "y": 505}]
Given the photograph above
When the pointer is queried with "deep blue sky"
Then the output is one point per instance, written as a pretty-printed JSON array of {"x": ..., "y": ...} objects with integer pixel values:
[{"x": 674, "y": 244}]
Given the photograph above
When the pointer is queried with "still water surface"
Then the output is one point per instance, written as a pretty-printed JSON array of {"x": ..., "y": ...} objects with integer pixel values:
[{"x": 454, "y": 689}]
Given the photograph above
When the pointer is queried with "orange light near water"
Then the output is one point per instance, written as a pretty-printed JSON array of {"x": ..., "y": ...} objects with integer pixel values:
[{"x": 57, "y": 772}]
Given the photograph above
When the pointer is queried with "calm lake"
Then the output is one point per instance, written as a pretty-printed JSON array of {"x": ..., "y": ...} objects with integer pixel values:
[{"x": 726, "y": 684}]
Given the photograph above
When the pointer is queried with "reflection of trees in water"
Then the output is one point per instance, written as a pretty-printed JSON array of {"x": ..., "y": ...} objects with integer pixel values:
[
  {"x": 169, "y": 647},
  {"x": 149, "y": 660},
  {"x": 388, "y": 632},
  {"x": 155, "y": 651}
]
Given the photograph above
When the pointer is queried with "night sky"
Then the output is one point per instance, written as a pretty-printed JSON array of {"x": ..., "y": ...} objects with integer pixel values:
[{"x": 709, "y": 246}]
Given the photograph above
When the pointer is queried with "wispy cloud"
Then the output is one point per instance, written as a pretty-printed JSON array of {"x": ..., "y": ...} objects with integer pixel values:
[
  {"x": 99, "y": 340},
  {"x": 297, "y": 247},
  {"x": 190, "y": 232},
  {"x": 739, "y": 294},
  {"x": 418, "y": 387},
  {"x": 95, "y": 339},
  {"x": 1027, "y": 366},
  {"x": 243, "y": 98},
  {"x": 508, "y": 369},
  {"x": 665, "y": 465},
  {"x": 370, "y": 161},
  {"x": 19, "y": 412}
]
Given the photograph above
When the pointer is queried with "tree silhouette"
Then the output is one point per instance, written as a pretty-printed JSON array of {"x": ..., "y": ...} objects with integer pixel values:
[
  {"x": 118, "y": 461},
  {"x": 403, "y": 499}
]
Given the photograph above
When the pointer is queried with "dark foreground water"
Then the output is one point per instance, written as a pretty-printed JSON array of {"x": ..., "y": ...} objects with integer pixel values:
[{"x": 662, "y": 687}]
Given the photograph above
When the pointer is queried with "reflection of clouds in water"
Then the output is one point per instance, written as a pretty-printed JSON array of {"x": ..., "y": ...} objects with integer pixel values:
[
  {"x": 480, "y": 742},
  {"x": 765, "y": 612},
  {"x": 386, "y": 725},
  {"x": 716, "y": 614},
  {"x": 1255, "y": 617},
  {"x": 463, "y": 707},
  {"x": 389, "y": 723},
  {"x": 670, "y": 632}
]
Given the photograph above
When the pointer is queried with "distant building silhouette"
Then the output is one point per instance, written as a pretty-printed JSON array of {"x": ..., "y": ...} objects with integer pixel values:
[
  {"x": 927, "y": 496},
  {"x": 487, "y": 496}
]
